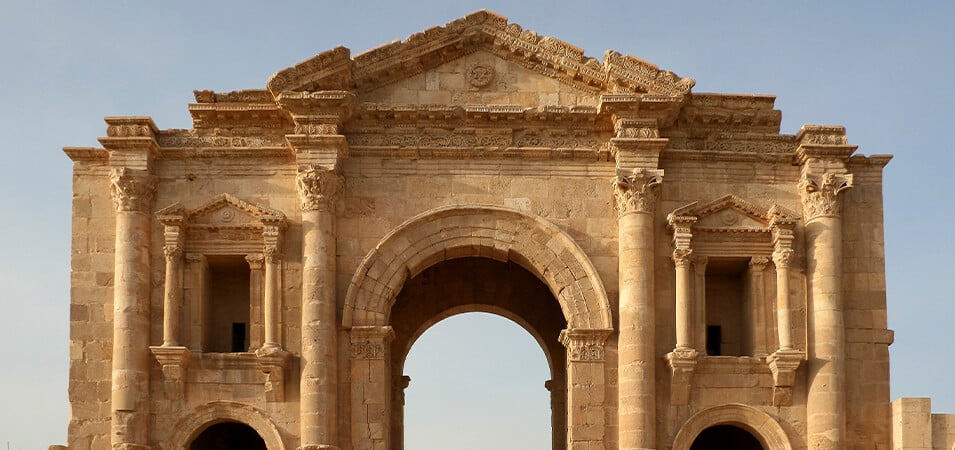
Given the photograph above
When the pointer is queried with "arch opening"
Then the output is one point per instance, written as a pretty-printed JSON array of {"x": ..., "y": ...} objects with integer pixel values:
[
  {"x": 462, "y": 358},
  {"x": 228, "y": 435},
  {"x": 721, "y": 437}
]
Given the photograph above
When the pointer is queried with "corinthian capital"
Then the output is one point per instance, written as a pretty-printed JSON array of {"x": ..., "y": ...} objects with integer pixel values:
[
  {"x": 636, "y": 191},
  {"x": 318, "y": 187},
  {"x": 820, "y": 194},
  {"x": 682, "y": 257},
  {"x": 131, "y": 190},
  {"x": 783, "y": 258}
]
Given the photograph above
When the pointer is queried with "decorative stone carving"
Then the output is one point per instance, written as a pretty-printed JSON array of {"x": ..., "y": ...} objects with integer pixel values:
[
  {"x": 758, "y": 263},
  {"x": 272, "y": 254},
  {"x": 172, "y": 252},
  {"x": 636, "y": 192},
  {"x": 584, "y": 345},
  {"x": 682, "y": 257},
  {"x": 783, "y": 257},
  {"x": 318, "y": 187},
  {"x": 369, "y": 342},
  {"x": 820, "y": 194},
  {"x": 480, "y": 76},
  {"x": 132, "y": 190}
]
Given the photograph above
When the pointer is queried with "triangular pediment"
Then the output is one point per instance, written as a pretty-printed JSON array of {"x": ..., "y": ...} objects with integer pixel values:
[
  {"x": 484, "y": 33},
  {"x": 228, "y": 211},
  {"x": 725, "y": 213}
]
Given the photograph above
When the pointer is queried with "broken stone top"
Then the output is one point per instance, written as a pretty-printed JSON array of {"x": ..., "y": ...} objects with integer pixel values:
[{"x": 486, "y": 31}]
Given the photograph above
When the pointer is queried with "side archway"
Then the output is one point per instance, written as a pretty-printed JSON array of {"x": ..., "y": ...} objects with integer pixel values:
[
  {"x": 770, "y": 434},
  {"x": 202, "y": 417},
  {"x": 493, "y": 232}
]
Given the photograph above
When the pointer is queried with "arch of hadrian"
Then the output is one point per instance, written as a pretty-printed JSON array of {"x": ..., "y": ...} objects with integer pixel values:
[{"x": 683, "y": 265}]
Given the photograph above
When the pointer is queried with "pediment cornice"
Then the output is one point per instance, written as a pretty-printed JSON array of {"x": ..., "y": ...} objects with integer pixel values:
[{"x": 335, "y": 69}]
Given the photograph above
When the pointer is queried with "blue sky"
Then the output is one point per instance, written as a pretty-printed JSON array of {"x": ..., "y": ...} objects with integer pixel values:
[{"x": 881, "y": 69}]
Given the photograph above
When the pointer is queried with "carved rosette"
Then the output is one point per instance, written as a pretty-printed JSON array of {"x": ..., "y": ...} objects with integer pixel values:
[
  {"x": 584, "y": 345},
  {"x": 820, "y": 194},
  {"x": 131, "y": 190},
  {"x": 682, "y": 257},
  {"x": 783, "y": 257},
  {"x": 318, "y": 188},
  {"x": 636, "y": 192}
]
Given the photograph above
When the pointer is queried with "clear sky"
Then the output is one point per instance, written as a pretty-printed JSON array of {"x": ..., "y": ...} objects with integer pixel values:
[{"x": 883, "y": 69}]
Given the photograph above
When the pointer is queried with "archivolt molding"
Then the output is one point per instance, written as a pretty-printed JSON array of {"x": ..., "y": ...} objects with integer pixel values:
[
  {"x": 493, "y": 232},
  {"x": 757, "y": 422},
  {"x": 204, "y": 416}
]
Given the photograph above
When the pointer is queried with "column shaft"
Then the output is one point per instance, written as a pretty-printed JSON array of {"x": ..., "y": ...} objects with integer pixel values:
[
  {"x": 319, "y": 386},
  {"x": 684, "y": 307},
  {"x": 826, "y": 405},
  {"x": 172, "y": 302},
  {"x": 783, "y": 315},
  {"x": 129, "y": 396},
  {"x": 270, "y": 306},
  {"x": 636, "y": 350}
]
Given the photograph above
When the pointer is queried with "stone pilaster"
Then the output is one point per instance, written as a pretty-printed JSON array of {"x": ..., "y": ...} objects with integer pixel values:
[
  {"x": 371, "y": 393},
  {"x": 635, "y": 195},
  {"x": 256, "y": 263},
  {"x": 586, "y": 387},
  {"x": 400, "y": 383},
  {"x": 821, "y": 154}
]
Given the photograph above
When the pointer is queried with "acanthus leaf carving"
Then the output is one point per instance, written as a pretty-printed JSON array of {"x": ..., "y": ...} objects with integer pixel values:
[
  {"x": 636, "y": 192},
  {"x": 318, "y": 187},
  {"x": 682, "y": 257},
  {"x": 820, "y": 194},
  {"x": 132, "y": 190},
  {"x": 783, "y": 257}
]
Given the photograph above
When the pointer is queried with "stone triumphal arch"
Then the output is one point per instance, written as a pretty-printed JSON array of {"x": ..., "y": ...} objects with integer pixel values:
[{"x": 691, "y": 273}]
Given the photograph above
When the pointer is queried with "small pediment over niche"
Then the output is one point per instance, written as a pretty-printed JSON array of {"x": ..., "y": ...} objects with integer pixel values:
[
  {"x": 727, "y": 213},
  {"x": 228, "y": 211}
]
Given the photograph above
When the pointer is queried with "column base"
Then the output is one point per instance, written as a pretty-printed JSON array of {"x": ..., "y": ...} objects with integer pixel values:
[{"x": 682, "y": 362}]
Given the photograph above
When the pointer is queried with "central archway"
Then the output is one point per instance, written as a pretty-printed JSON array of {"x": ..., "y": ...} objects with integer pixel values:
[
  {"x": 504, "y": 235},
  {"x": 480, "y": 285}
]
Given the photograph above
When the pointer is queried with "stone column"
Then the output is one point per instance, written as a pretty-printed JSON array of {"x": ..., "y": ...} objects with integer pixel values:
[
  {"x": 318, "y": 189},
  {"x": 273, "y": 261},
  {"x": 132, "y": 193},
  {"x": 684, "y": 299},
  {"x": 682, "y": 360},
  {"x": 826, "y": 405},
  {"x": 172, "y": 302},
  {"x": 823, "y": 178},
  {"x": 782, "y": 259},
  {"x": 635, "y": 195},
  {"x": 256, "y": 263},
  {"x": 370, "y": 387},
  {"x": 586, "y": 387}
]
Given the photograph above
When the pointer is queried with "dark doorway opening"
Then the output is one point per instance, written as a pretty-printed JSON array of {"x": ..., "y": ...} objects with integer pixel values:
[
  {"x": 228, "y": 436},
  {"x": 725, "y": 437}
]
